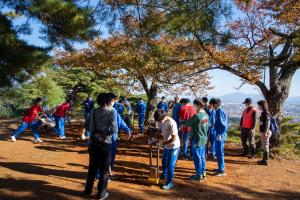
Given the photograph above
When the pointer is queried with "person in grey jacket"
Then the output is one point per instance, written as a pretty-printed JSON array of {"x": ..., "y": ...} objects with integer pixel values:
[{"x": 103, "y": 125}]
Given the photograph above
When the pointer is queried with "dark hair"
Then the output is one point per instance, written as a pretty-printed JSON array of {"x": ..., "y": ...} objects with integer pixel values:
[
  {"x": 204, "y": 99},
  {"x": 109, "y": 97},
  {"x": 163, "y": 97},
  {"x": 264, "y": 105},
  {"x": 182, "y": 100},
  {"x": 69, "y": 99},
  {"x": 159, "y": 115},
  {"x": 101, "y": 98},
  {"x": 199, "y": 103},
  {"x": 213, "y": 101},
  {"x": 38, "y": 100}
]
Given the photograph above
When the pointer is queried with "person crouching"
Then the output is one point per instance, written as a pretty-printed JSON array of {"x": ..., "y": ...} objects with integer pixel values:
[{"x": 169, "y": 131}]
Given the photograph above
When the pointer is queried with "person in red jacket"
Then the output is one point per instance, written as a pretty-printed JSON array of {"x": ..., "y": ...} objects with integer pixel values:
[
  {"x": 31, "y": 120},
  {"x": 187, "y": 111},
  {"x": 59, "y": 114},
  {"x": 248, "y": 124}
]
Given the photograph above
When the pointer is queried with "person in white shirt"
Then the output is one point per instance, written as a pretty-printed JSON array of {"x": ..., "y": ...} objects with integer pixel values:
[{"x": 169, "y": 131}]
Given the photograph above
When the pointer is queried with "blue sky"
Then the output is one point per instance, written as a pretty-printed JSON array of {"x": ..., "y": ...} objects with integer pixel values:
[{"x": 223, "y": 82}]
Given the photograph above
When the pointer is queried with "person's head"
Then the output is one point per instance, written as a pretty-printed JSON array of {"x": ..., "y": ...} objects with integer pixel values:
[
  {"x": 89, "y": 98},
  {"x": 248, "y": 102},
  {"x": 198, "y": 104},
  {"x": 101, "y": 98},
  {"x": 110, "y": 99},
  {"x": 140, "y": 99},
  {"x": 182, "y": 101},
  {"x": 159, "y": 115},
  {"x": 38, "y": 101},
  {"x": 263, "y": 105},
  {"x": 176, "y": 99},
  {"x": 204, "y": 100},
  {"x": 163, "y": 99},
  {"x": 213, "y": 103}
]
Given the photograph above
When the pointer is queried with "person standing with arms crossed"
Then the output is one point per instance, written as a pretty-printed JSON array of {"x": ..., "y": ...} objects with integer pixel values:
[{"x": 248, "y": 124}]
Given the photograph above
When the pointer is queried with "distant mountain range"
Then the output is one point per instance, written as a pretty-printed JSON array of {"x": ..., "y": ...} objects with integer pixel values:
[{"x": 240, "y": 97}]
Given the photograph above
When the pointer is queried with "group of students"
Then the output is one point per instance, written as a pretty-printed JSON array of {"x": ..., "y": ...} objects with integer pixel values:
[
  {"x": 193, "y": 125},
  {"x": 35, "y": 115}
]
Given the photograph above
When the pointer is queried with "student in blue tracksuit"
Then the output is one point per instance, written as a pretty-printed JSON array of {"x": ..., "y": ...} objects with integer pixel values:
[
  {"x": 162, "y": 105},
  {"x": 141, "y": 110},
  {"x": 211, "y": 131},
  {"x": 176, "y": 111},
  {"x": 119, "y": 107},
  {"x": 122, "y": 126},
  {"x": 88, "y": 105},
  {"x": 221, "y": 123}
]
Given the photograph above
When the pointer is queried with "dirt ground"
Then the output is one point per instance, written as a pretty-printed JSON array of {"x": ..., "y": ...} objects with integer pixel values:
[{"x": 57, "y": 169}]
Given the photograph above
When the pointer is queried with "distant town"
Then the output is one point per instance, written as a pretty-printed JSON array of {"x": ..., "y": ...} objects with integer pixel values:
[{"x": 235, "y": 110}]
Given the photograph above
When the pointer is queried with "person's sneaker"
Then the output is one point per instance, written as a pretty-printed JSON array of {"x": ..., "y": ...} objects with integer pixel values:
[
  {"x": 104, "y": 197},
  {"x": 168, "y": 186},
  {"x": 204, "y": 175},
  {"x": 251, "y": 156},
  {"x": 63, "y": 137},
  {"x": 38, "y": 140},
  {"x": 162, "y": 177},
  {"x": 220, "y": 173},
  {"x": 215, "y": 170},
  {"x": 196, "y": 178},
  {"x": 13, "y": 138},
  {"x": 83, "y": 137}
]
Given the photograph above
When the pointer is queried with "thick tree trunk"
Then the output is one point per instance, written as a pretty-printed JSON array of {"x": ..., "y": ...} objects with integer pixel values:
[
  {"x": 280, "y": 83},
  {"x": 151, "y": 102}
]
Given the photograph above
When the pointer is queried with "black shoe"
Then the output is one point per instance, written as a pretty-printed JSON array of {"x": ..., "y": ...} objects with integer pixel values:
[
  {"x": 87, "y": 193},
  {"x": 243, "y": 154},
  {"x": 263, "y": 162}
]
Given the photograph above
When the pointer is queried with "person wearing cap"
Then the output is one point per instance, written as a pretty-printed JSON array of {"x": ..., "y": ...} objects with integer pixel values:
[
  {"x": 163, "y": 105},
  {"x": 221, "y": 124},
  {"x": 186, "y": 112},
  {"x": 141, "y": 108},
  {"x": 248, "y": 124}
]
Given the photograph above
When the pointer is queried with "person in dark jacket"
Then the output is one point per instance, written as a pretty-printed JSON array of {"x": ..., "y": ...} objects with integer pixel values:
[
  {"x": 264, "y": 129},
  {"x": 103, "y": 125},
  {"x": 248, "y": 124}
]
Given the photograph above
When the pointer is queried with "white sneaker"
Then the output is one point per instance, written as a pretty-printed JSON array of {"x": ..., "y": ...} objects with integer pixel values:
[
  {"x": 83, "y": 137},
  {"x": 13, "y": 138},
  {"x": 63, "y": 137},
  {"x": 38, "y": 140}
]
